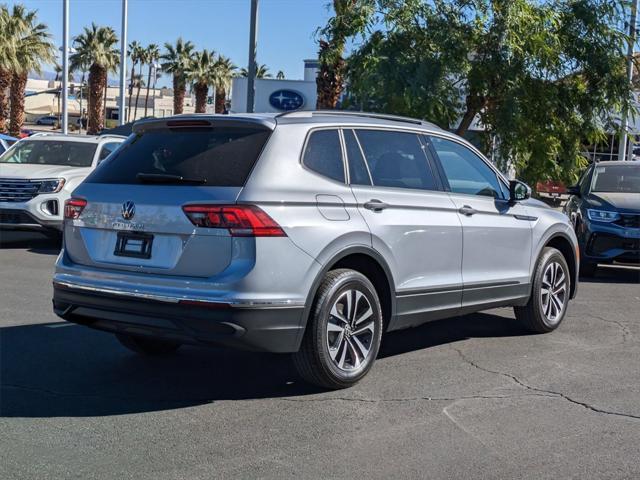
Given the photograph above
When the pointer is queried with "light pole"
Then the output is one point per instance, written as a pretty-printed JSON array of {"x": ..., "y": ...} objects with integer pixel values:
[
  {"x": 123, "y": 64},
  {"x": 65, "y": 66},
  {"x": 253, "y": 45},
  {"x": 622, "y": 149}
]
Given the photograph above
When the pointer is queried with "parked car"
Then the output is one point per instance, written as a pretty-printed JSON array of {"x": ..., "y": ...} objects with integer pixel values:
[
  {"x": 311, "y": 232},
  {"x": 554, "y": 190},
  {"x": 5, "y": 142},
  {"x": 605, "y": 211},
  {"x": 39, "y": 173},
  {"x": 47, "y": 120}
]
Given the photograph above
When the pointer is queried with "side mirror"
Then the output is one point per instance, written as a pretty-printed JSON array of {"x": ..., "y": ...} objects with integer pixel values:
[
  {"x": 574, "y": 190},
  {"x": 518, "y": 191}
]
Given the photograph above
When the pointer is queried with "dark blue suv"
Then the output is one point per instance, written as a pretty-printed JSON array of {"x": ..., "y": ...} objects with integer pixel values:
[{"x": 605, "y": 211}]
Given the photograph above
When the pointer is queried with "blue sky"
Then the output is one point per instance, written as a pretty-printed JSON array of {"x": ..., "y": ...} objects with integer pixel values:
[{"x": 286, "y": 27}]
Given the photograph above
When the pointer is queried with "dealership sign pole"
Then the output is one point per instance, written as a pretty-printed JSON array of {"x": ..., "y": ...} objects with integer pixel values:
[
  {"x": 622, "y": 149},
  {"x": 252, "y": 67},
  {"x": 123, "y": 64},
  {"x": 65, "y": 66}
]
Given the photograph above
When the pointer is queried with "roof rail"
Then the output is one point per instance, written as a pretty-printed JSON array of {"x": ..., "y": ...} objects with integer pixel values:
[{"x": 353, "y": 113}]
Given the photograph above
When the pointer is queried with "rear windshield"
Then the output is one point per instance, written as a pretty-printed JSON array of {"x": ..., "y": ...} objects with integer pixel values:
[
  {"x": 222, "y": 156},
  {"x": 51, "y": 152}
]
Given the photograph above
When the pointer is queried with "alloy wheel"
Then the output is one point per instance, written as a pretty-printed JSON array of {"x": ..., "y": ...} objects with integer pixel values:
[
  {"x": 350, "y": 330},
  {"x": 553, "y": 294}
]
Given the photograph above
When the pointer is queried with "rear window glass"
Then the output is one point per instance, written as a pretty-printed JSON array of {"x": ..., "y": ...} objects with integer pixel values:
[{"x": 220, "y": 157}]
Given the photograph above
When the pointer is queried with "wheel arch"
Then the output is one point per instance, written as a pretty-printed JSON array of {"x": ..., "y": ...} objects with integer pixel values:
[
  {"x": 372, "y": 265},
  {"x": 563, "y": 243}
]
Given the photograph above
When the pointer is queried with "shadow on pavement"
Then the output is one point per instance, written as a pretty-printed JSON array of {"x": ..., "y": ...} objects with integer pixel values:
[
  {"x": 60, "y": 369},
  {"x": 32, "y": 242}
]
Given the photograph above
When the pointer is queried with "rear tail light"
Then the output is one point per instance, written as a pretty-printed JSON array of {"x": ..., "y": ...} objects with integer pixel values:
[
  {"x": 73, "y": 208},
  {"x": 240, "y": 220}
]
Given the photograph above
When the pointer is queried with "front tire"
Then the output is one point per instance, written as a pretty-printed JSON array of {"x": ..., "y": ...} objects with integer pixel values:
[
  {"x": 147, "y": 345},
  {"x": 343, "y": 333},
  {"x": 550, "y": 294}
]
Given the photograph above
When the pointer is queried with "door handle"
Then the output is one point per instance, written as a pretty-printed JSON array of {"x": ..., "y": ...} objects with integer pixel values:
[
  {"x": 375, "y": 205},
  {"x": 468, "y": 211}
]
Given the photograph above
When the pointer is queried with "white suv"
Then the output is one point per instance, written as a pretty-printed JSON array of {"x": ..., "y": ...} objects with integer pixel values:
[{"x": 39, "y": 173}]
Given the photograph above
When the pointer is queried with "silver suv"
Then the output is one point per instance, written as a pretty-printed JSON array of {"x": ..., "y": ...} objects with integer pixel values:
[{"x": 311, "y": 233}]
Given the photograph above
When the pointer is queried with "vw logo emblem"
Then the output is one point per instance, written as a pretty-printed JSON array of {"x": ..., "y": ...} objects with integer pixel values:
[{"x": 128, "y": 210}]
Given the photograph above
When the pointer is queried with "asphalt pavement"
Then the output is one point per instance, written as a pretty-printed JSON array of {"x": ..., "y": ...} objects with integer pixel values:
[{"x": 469, "y": 397}]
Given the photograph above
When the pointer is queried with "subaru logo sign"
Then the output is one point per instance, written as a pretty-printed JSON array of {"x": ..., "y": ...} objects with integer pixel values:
[
  {"x": 286, "y": 100},
  {"x": 128, "y": 210}
]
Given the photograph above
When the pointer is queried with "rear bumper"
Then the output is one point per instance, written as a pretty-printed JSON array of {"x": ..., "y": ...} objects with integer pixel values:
[{"x": 271, "y": 328}]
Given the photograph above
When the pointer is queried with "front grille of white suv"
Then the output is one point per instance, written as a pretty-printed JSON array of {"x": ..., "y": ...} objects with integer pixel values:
[{"x": 18, "y": 190}]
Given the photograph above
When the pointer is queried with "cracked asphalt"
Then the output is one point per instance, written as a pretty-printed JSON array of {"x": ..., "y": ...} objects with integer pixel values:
[{"x": 469, "y": 397}]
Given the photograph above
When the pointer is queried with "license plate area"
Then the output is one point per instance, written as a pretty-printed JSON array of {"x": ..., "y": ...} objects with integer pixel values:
[{"x": 133, "y": 244}]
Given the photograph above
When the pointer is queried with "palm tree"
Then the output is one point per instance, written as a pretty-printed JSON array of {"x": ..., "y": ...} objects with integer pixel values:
[
  {"x": 142, "y": 60},
  {"x": 261, "y": 72},
  {"x": 202, "y": 74},
  {"x": 96, "y": 47},
  {"x": 33, "y": 47},
  {"x": 224, "y": 73},
  {"x": 8, "y": 63},
  {"x": 82, "y": 90},
  {"x": 176, "y": 60},
  {"x": 152, "y": 56},
  {"x": 351, "y": 17},
  {"x": 135, "y": 52},
  {"x": 280, "y": 75}
]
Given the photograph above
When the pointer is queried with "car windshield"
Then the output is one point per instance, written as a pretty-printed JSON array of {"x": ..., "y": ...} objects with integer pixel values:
[
  {"x": 616, "y": 178},
  {"x": 51, "y": 152}
]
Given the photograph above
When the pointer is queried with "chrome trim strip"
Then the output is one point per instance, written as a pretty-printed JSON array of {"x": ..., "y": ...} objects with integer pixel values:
[{"x": 176, "y": 300}]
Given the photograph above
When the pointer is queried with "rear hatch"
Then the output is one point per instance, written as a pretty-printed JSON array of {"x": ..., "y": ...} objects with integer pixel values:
[{"x": 129, "y": 212}]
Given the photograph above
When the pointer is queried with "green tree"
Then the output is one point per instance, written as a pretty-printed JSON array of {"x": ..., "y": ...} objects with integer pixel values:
[
  {"x": 97, "y": 47},
  {"x": 33, "y": 47},
  {"x": 134, "y": 51},
  {"x": 542, "y": 76},
  {"x": 8, "y": 62},
  {"x": 351, "y": 18},
  {"x": 202, "y": 74},
  {"x": 152, "y": 55},
  {"x": 261, "y": 72},
  {"x": 176, "y": 61},
  {"x": 225, "y": 70}
]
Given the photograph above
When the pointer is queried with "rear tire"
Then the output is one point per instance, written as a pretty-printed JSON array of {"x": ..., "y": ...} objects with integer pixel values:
[
  {"x": 147, "y": 345},
  {"x": 550, "y": 294},
  {"x": 588, "y": 269},
  {"x": 343, "y": 333}
]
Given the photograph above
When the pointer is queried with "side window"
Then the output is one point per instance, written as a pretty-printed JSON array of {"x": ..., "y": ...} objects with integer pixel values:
[
  {"x": 466, "y": 172},
  {"x": 358, "y": 173},
  {"x": 396, "y": 159},
  {"x": 323, "y": 154},
  {"x": 107, "y": 148}
]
